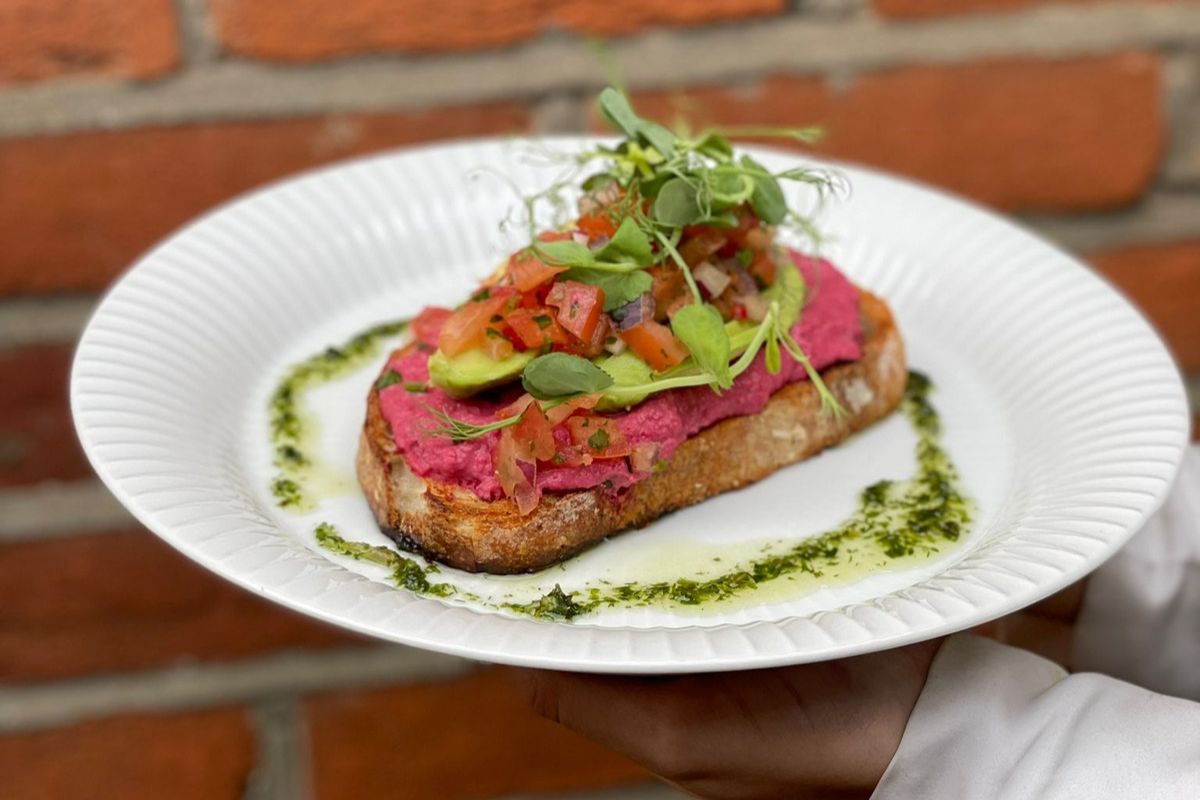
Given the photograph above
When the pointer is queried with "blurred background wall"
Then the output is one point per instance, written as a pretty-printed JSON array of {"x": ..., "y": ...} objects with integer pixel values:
[{"x": 126, "y": 672}]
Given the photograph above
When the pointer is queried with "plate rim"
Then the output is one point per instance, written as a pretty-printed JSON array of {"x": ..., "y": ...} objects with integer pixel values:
[{"x": 675, "y": 663}]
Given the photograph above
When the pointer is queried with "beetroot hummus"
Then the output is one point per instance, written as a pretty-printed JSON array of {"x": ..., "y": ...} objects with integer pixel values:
[{"x": 829, "y": 331}]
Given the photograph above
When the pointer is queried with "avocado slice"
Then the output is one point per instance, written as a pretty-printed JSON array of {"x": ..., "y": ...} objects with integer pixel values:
[
  {"x": 626, "y": 370},
  {"x": 473, "y": 371}
]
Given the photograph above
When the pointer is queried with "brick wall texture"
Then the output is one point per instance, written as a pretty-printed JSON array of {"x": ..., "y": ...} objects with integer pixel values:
[{"x": 122, "y": 119}]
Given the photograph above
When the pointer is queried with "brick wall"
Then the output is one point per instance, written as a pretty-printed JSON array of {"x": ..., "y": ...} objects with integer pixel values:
[{"x": 127, "y": 672}]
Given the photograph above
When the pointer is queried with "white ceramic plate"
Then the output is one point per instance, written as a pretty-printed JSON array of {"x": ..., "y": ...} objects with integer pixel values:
[{"x": 1062, "y": 409}]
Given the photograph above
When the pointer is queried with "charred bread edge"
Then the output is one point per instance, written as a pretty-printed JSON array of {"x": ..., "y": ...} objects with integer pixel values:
[{"x": 451, "y": 525}]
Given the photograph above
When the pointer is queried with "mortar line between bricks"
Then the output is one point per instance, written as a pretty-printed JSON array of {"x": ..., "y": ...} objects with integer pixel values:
[
  {"x": 799, "y": 44},
  {"x": 44, "y": 320},
  {"x": 1159, "y": 218},
  {"x": 197, "y": 42},
  {"x": 282, "y": 769},
  {"x": 54, "y": 509},
  {"x": 43, "y": 705}
]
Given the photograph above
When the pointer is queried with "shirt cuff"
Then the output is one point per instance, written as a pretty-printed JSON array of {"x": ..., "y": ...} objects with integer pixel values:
[
  {"x": 997, "y": 722},
  {"x": 1139, "y": 616}
]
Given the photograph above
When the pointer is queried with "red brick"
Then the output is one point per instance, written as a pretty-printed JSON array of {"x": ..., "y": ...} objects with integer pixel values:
[
  {"x": 123, "y": 601},
  {"x": 317, "y": 29},
  {"x": 49, "y": 38},
  {"x": 76, "y": 209},
  {"x": 1018, "y": 134},
  {"x": 1164, "y": 281},
  {"x": 201, "y": 756},
  {"x": 37, "y": 440},
  {"x": 916, "y": 9},
  {"x": 466, "y": 738}
]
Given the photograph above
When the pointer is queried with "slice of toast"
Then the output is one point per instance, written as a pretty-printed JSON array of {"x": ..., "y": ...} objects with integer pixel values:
[{"x": 452, "y": 525}]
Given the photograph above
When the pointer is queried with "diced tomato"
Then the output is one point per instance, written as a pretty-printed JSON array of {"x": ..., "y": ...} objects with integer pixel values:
[
  {"x": 600, "y": 435},
  {"x": 467, "y": 327},
  {"x": 763, "y": 269},
  {"x": 725, "y": 305},
  {"x": 559, "y": 338},
  {"x": 596, "y": 226},
  {"x": 429, "y": 323},
  {"x": 642, "y": 456},
  {"x": 515, "y": 407},
  {"x": 594, "y": 346},
  {"x": 579, "y": 307},
  {"x": 655, "y": 343},
  {"x": 746, "y": 223},
  {"x": 573, "y": 456},
  {"x": 526, "y": 271},
  {"x": 739, "y": 311},
  {"x": 700, "y": 245},
  {"x": 564, "y": 410},
  {"x": 554, "y": 236},
  {"x": 679, "y": 302},
  {"x": 534, "y": 435},
  {"x": 497, "y": 346},
  {"x": 512, "y": 478},
  {"x": 668, "y": 285},
  {"x": 526, "y": 329},
  {"x": 518, "y": 345}
]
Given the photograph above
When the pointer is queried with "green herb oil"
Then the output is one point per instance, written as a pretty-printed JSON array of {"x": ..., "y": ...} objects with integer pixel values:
[
  {"x": 894, "y": 521},
  {"x": 293, "y": 430}
]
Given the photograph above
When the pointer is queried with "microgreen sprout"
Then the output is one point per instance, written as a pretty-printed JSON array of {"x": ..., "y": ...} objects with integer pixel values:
[{"x": 653, "y": 186}]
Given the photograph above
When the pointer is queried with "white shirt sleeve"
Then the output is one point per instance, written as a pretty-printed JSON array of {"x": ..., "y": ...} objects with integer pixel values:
[
  {"x": 997, "y": 722},
  {"x": 1140, "y": 619}
]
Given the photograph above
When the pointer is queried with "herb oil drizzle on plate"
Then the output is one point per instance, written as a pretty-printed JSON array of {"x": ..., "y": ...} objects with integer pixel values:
[
  {"x": 895, "y": 520},
  {"x": 293, "y": 431}
]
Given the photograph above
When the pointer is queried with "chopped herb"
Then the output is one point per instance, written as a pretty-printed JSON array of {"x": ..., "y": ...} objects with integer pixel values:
[
  {"x": 287, "y": 492},
  {"x": 407, "y": 574},
  {"x": 390, "y": 378},
  {"x": 555, "y": 604},
  {"x": 542, "y": 321},
  {"x": 416, "y": 388},
  {"x": 598, "y": 440},
  {"x": 289, "y": 455}
]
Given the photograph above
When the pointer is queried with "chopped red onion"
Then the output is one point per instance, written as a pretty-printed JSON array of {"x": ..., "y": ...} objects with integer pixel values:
[
  {"x": 635, "y": 312},
  {"x": 743, "y": 281},
  {"x": 756, "y": 306},
  {"x": 711, "y": 278}
]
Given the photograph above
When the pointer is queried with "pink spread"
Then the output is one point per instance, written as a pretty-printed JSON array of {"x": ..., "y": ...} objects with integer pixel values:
[{"x": 829, "y": 331}]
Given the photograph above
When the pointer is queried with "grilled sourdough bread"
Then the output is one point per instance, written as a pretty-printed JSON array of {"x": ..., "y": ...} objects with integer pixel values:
[{"x": 450, "y": 524}]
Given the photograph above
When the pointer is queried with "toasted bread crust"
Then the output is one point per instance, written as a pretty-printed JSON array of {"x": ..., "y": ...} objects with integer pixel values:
[{"x": 452, "y": 525}]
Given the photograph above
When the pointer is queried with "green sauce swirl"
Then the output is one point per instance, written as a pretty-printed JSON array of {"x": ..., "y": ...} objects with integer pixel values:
[{"x": 894, "y": 519}]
